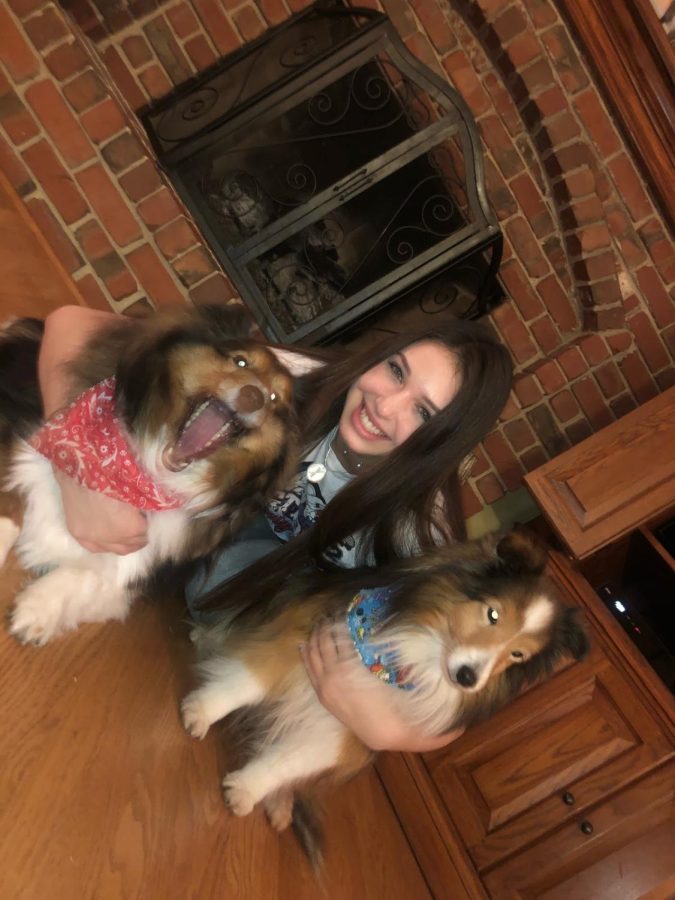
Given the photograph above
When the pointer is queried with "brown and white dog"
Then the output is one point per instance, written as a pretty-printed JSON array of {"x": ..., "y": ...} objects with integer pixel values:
[
  {"x": 457, "y": 633},
  {"x": 206, "y": 412}
]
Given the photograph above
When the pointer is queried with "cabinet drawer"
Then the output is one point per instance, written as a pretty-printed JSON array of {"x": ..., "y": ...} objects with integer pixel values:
[
  {"x": 622, "y": 848},
  {"x": 546, "y": 759}
]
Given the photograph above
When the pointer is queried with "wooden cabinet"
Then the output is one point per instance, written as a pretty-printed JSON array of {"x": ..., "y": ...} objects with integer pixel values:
[
  {"x": 611, "y": 483},
  {"x": 501, "y": 810}
]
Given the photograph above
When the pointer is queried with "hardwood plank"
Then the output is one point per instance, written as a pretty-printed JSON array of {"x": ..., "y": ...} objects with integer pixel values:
[{"x": 103, "y": 795}]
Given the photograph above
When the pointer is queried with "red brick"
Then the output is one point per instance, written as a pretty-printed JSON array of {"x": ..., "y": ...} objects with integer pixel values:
[
  {"x": 45, "y": 28},
  {"x": 648, "y": 341},
  {"x": 547, "y": 429},
  {"x": 520, "y": 289},
  {"x": 136, "y": 50},
  {"x": 121, "y": 283},
  {"x": 659, "y": 245},
  {"x": 557, "y": 257},
  {"x": 567, "y": 64},
  {"x": 193, "y": 266},
  {"x": 572, "y": 362},
  {"x": 599, "y": 266},
  {"x": 551, "y": 102},
  {"x": 550, "y": 377},
  {"x": 578, "y": 431},
  {"x": 607, "y": 319},
  {"x": 155, "y": 81},
  {"x": 511, "y": 409},
  {"x": 92, "y": 294},
  {"x": 594, "y": 349},
  {"x": 622, "y": 405},
  {"x": 536, "y": 76},
  {"x": 609, "y": 378},
  {"x": 169, "y": 52},
  {"x": 669, "y": 337},
  {"x": 510, "y": 24},
  {"x": 582, "y": 212},
  {"x": 519, "y": 434},
  {"x": 67, "y": 60},
  {"x": 546, "y": 334},
  {"x": 159, "y": 209},
  {"x": 527, "y": 247},
  {"x": 183, "y": 20},
  {"x": 17, "y": 121},
  {"x": 514, "y": 333},
  {"x": 15, "y": 52},
  {"x": 666, "y": 379},
  {"x": 470, "y": 502},
  {"x": 123, "y": 78},
  {"x": 658, "y": 301},
  {"x": 629, "y": 186},
  {"x": 435, "y": 24},
  {"x": 59, "y": 122},
  {"x": 527, "y": 390},
  {"x": 499, "y": 142},
  {"x": 175, "y": 238},
  {"x": 103, "y": 121},
  {"x": 14, "y": 169},
  {"x": 55, "y": 181},
  {"x": 502, "y": 200},
  {"x": 420, "y": 47},
  {"x": 84, "y": 91},
  {"x": 503, "y": 104},
  {"x": 58, "y": 240},
  {"x": 580, "y": 183},
  {"x": 504, "y": 460},
  {"x": 489, "y": 488},
  {"x": 215, "y": 289},
  {"x": 122, "y": 152},
  {"x": 562, "y": 128},
  {"x": 24, "y": 8},
  {"x": 637, "y": 375},
  {"x": 93, "y": 240},
  {"x": 217, "y": 25},
  {"x": 141, "y": 181},
  {"x": 523, "y": 50},
  {"x": 565, "y": 406},
  {"x": 463, "y": 77},
  {"x": 154, "y": 277},
  {"x": 140, "y": 309},
  {"x": 107, "y": 203},
  {"x": 597, "y": 122},
  {"x": 532, "y": 459},
  {"x": 557, "y": 303},
  {"x": 532, "y": 204},
  {"x": 200, "y": 52}
]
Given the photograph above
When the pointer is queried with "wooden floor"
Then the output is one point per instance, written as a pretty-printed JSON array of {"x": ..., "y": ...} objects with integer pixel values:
[{"x": 102, "y": 794}]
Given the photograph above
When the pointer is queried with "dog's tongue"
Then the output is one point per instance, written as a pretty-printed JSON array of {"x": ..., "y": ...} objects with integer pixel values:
[{"x": 192, "y": 442}]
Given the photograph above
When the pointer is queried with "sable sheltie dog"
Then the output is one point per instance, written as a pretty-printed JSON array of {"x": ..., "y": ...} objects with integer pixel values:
[
  {"x": 206, "y": 412},
  {"x": 457, "y": 633}
]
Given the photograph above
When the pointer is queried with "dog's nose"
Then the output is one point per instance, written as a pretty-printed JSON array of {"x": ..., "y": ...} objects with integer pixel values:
[
  {"x": 249, "y": 399},
  {"x": 466, "y": 676}
]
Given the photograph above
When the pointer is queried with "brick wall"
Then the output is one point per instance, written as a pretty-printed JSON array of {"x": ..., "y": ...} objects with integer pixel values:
[{"x": 588, "y": 261}]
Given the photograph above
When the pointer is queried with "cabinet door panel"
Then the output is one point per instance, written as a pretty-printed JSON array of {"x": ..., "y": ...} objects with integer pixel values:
[
  {"x": 585, "y": 732},
  {"x": 627, "y": 854}
]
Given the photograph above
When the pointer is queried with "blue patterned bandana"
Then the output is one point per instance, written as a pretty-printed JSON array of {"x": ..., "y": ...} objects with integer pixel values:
[{"x": 368, "y": 609}]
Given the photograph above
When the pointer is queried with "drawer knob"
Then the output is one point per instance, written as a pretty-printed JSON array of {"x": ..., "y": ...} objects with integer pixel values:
[
  {"x": 568, "y": 799},
  {"x": 586, "y": 827}
]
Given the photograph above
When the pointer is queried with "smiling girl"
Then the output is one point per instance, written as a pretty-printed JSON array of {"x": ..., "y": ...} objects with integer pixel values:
[{"x": 386, "y": 430}]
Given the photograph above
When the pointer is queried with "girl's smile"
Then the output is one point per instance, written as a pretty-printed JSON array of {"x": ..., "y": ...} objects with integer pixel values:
[{"x": 390, "y": 401}]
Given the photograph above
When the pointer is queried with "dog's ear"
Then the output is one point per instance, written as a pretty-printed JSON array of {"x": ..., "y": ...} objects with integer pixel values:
[
  {"x": 297, "y": 363},
  {"x": 521, "y": 552},
  {"x": 573, "y": 634}
]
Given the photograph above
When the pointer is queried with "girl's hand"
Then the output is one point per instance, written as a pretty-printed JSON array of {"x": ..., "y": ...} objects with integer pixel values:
[
  {"x": 101, "y": 524},
  {"x": 356, "y": 697}
]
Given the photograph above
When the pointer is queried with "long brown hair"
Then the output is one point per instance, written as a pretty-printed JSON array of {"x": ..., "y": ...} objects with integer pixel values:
[{"x": 410, "y": 500}]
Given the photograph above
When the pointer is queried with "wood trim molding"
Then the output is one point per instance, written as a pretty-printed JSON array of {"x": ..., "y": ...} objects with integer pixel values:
[{"x": 629, "y": 50}]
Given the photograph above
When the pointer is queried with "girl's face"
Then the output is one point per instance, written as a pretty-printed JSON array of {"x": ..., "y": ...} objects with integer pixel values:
[{"x": 390, "y": 401}]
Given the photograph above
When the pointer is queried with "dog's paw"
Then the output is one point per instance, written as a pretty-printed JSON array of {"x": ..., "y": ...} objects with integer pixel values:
[
  {"x": 36, "y": 617},
  {"x": 195, "y": 720},
  {"x": 238, "y": 798},
  {"x": 9, "y": 532}
]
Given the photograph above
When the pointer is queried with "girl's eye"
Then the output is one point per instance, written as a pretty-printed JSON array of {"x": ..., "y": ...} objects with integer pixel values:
[
  {"x": 517, "y": 654},
  {"x": 493, "y": 615},
  {"x": 396, "y": 370},
  {"x": 425, "y": 415}
]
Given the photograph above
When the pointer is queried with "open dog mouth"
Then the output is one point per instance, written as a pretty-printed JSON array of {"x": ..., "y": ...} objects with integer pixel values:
[{"x": 210, "y": 425}]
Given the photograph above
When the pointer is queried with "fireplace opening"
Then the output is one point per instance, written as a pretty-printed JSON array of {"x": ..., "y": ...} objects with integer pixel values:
[{"x": 333, "y": 175}]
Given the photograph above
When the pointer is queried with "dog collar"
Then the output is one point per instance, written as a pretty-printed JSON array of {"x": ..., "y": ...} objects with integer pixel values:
[
  {"x": 86, "y": 441},
  {"x": 368, "y": 609}
]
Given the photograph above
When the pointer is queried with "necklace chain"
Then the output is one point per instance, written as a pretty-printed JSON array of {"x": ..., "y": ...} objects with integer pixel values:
[{"x": 317, "y": 471}]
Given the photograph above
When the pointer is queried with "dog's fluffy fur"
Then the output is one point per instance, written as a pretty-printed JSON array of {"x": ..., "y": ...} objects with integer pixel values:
[
  {"x": 474, "y": 623},
  {"x": 165, "y": 366}
]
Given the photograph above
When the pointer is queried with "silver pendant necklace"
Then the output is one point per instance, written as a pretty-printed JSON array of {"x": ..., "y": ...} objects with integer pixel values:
[{"x": 317, "y": 471}]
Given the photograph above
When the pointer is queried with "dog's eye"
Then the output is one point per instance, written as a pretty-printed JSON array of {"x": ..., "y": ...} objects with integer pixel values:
[
  {"x": 493, "y": 615},
  {"x": 517, "y": 654},
  {"x": 241, "y": 362}
]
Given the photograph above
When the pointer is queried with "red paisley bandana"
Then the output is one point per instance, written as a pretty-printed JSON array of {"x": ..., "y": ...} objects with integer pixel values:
[{"x": 87, "y": 442}]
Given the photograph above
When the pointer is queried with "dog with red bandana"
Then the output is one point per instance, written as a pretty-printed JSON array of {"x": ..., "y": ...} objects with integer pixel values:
[{"x": 181, "y": 415}]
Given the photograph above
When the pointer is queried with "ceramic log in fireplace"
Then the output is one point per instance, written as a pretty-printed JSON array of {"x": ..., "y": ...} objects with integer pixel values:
[{"x": 333, "y": 174}]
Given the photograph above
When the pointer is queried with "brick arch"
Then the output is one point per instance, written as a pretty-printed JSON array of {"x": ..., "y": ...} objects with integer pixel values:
[{"x": 569, "y": 133}]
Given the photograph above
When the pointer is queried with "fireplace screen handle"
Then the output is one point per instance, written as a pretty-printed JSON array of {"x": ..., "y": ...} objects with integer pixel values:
[
  {"x": 355, "y": 189},
  {"x": 343, "y": 184}
]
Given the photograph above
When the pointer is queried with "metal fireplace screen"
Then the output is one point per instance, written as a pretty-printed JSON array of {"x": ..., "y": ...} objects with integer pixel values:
[{"x": 332, "y": 174}]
